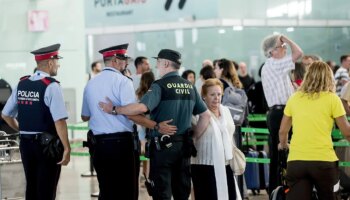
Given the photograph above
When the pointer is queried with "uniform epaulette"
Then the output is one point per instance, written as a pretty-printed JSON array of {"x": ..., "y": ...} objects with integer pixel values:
[
  {"x": 48, "y": 80},
  {"x": 24, "y": 77},
  {"x": 129, "y": 78}
]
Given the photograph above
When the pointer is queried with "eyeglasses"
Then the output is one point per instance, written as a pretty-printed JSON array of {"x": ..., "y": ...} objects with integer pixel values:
[{"x": 283, "y": 45}]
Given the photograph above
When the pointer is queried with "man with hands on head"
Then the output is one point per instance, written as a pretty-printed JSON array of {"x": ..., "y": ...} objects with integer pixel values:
[
  {"x": 278, "y": 88},
  {"x": 170, "y": 97},
  {"x": 36, "y": 106}
]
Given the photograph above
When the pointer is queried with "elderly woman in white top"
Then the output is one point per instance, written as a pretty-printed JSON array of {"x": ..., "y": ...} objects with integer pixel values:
[{"x": 212, "y": 176}]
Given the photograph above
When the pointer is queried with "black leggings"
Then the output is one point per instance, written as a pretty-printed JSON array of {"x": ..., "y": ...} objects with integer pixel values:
[
  {"x": 302, "y": 176},
  {"x": 204, "y": 183}
]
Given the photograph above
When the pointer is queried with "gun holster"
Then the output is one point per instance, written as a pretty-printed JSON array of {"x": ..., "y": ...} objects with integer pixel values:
[
  {"x": 52, "y": 145},
  {"x": 90, "y": 143}
]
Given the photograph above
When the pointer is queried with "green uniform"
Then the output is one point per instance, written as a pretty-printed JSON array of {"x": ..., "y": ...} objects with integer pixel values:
[{"x": 172, "y": 97}]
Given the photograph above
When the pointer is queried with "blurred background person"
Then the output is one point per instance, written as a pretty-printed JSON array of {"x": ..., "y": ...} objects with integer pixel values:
[
  {"x": 256, "y": 99},
  {"x": 235, "y": 64},
  {"x": 311, "y": 111},
  {"x": 199, "y": 81},
  {"x": 5, "y": 93},
  {"x": 244, "y": 76},
  {"x": 342, "y": 75},
  {"x": 96, "y": 67},
  {"x": 207, "y": 62},
  {"x": 332, "y": 65},
  {"x": 142, "y": 65},
  {"x": 206, "y": 72},
  {"x": 227, "y": 73},
  {"x": 146, "y": 81},
  {"x": 298, "y": 75},
  {"x": 189, "y": 75},
  {"x": 307, "y": 60}
]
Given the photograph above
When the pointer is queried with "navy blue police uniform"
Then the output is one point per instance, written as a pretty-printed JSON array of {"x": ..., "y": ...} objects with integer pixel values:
[
  {"x": 113, "y": 153},
  {"x": 38, "y": 103},
  {"x": 172, "y": 97}
]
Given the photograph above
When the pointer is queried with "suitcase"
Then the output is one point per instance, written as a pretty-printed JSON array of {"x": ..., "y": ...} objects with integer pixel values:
[
  {"x": 264, "y": 170},
  {"x": 278, "y": 193},
  {"x": 251, "y": 173}
]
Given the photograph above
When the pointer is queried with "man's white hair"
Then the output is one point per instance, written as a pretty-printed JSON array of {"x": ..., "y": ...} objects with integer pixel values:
[{"x": 269, "y": 43}]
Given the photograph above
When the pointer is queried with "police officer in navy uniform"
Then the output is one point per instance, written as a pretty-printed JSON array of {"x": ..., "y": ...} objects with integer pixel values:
[
  {"x": 113, "y": 154},
  {"x": 38, "y": 104},
  {"x": 171, "y": 97}
]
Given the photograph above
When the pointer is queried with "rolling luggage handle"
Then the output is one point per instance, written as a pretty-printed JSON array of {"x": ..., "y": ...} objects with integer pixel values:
[{"x": 280, "y": 192}]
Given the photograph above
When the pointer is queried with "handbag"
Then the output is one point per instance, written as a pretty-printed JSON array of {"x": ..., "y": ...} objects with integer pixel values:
[
  {"x": 238, "y": 162},
  {"x": 52, "y": 146}
]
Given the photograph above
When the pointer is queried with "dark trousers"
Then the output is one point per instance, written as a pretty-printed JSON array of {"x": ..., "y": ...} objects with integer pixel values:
[
  {"x": 204, "y": 183},
  {"x": 170, "y": 172},
  {"x": 274, "y": 118},
  {"x": 42, "y": 174},
  {"x": 302, "y": 176},
  {"x": 114, "y": 162}
]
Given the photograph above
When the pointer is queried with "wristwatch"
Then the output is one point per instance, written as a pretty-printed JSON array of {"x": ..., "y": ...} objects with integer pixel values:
[
  {"x": 114, "y": 111},
  {"x": 156, "y": 127}
]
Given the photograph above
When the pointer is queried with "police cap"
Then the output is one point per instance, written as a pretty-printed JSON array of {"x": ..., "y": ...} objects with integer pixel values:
[
  {"x": 45, "y": 53},
  {"x": 169, "y": 55},
  {"x": 118, "y": 51}
]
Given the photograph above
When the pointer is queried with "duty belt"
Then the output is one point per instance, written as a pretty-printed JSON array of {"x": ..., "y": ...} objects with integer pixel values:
[
  {"x": 114, "y": 136},
  {"x": 30, "y": 136},
  {"x": 277, "y": 107}
]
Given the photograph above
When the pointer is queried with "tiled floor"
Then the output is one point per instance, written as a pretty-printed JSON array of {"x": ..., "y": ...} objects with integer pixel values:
[
  {"x": 71, "y": 185},
  {"x": 74, "y": 187}
]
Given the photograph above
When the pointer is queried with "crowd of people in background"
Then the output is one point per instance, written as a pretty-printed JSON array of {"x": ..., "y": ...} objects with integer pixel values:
[
  {"x": 281, "y": 76},
  {"x": 184, "y": 128}
]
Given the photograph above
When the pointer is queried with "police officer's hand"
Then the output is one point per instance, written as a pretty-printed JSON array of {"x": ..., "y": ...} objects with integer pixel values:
[
  {"x": 167, "y": 129},
  {"x": 106, "y": 107},
  {"x": 66, "y": 158}
]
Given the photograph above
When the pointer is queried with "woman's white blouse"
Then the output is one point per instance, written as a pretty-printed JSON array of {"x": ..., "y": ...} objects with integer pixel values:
[{"x": 204, "y": 143}]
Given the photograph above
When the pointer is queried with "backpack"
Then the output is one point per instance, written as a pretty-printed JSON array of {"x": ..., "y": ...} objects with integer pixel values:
[{"x": 236, "y": 101}]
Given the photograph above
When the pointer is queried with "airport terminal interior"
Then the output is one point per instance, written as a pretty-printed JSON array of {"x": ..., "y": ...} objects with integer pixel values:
[{"x": 203, "y": 32}]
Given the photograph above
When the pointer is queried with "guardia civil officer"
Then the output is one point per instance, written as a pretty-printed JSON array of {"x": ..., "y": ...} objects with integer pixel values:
[
  {"x": 114, "y": 154},
  {"x": 171, "y": 97},
  {"x": 36, "y": 106}
]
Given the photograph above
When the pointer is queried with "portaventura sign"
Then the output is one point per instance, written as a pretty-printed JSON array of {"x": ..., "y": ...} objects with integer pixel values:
[
  {"x": 117, "y": 8},
  {"x": 111, "y": 3},
  {"x": 112, "y": 13}
]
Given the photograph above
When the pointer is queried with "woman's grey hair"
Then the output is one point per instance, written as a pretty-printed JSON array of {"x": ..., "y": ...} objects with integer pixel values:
[{"x": 269, "y": 43}]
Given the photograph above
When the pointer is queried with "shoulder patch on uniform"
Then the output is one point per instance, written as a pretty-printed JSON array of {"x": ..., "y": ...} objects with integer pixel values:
[
  {"x": 48, "y": 80},
  {"x": 24, "y": 77}
]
